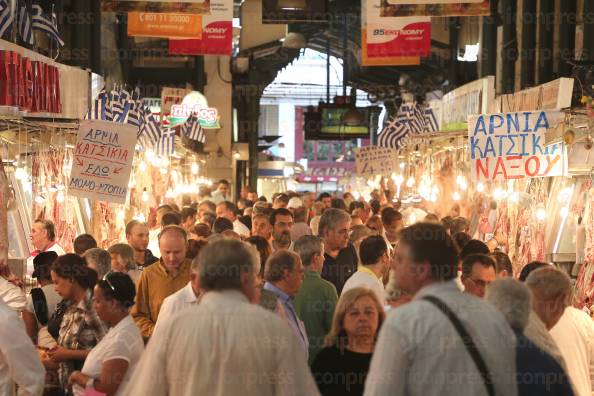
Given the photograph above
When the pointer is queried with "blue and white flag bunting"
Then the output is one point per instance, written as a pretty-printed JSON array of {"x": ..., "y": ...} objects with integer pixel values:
[
  {"x": 411, "y": 119},
  {"x": 25, "y": 27},
  {"x": 45, "y": 24},
  {"x": 192, "y": 129},
  {"x": 166, "y": 144},
  {"x": 6, "y": 18},
  {"x": 150, "y": 127}
]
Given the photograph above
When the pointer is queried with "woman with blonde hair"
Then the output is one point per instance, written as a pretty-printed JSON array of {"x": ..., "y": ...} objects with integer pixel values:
[{"x": 341, "y": 367}]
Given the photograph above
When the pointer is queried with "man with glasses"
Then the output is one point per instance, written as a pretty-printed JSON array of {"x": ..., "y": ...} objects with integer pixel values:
[
  {"x": 340, "y": 255},
  {"x": 478, "y": 270}
]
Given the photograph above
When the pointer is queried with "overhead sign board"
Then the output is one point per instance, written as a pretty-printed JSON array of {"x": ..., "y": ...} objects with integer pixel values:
[
  {"x": 436, "y": 8},
  {"x": 167, "y": 25},
  {"x": 185, "y": 6}
]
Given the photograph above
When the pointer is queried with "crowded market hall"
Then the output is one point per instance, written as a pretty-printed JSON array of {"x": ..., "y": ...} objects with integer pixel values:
[{"x": 297, "y": 197}]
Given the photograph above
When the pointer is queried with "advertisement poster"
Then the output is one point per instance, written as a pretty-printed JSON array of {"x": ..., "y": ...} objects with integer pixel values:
[
  {"x": 392, "y": 41},
  {"x": 217, "y": 33},
  {"x": 511, "y": 146},
  {"x": 403, "y": 8},
  {"x": 149, "y": 24},
  {"x": 102, "y": 161},
  {"x": 184, "y": 6}
]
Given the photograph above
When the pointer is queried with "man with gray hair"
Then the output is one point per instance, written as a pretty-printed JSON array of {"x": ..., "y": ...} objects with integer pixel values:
[
  {"x": 316, "y": 300},
  {"x": 572, "y": 329},
  {"x": 340, "y": 255},
  {"x": 160, "y": 280},
  {"x": 284, "y": 275},
  {"x": 241, "y": 349},
  {"x": 99, "y": 260},
  {"x": 538, "y": 373}
]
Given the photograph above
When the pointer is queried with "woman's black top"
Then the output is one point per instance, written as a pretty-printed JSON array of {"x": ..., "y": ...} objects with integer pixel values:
[{"x": 340, "y": 372}]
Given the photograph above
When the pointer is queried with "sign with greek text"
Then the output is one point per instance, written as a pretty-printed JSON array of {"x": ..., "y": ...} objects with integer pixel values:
[
  {"x": 151, "y": 24},
  {"x": 373, "y": 160},
  {"x": 512, "y": 146},
  {"x": 102, "y": 161}
]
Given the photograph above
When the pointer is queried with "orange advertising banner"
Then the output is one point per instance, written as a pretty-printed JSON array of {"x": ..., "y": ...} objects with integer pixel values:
[{"x": 180, "y": 26}]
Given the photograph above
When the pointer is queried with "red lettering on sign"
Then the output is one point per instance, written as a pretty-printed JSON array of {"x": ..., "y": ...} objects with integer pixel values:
[
  {"x": 534, "y": 159},
  {"x": 482, "y": 168},
  {"x": 551, "y": 161},
  {"x": 511, "y": 166},
  {"x": 30, "y": 85},
  {"x": 500, "y": 168}
]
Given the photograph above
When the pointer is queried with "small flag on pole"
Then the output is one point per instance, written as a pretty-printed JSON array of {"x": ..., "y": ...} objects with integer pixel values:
[
  {"x": 6, "y": 18},
  {"x": 193, "y": 130},
  {"x": 46, "y": 25},
  {"x": 166, "y": 144},
  {"x": 25, "y": 28}
]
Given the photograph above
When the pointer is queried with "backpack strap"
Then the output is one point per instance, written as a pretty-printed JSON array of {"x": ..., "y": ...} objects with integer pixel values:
[
  {"x": 467, "y": 340},
  {"x": 40, "y": 305}
]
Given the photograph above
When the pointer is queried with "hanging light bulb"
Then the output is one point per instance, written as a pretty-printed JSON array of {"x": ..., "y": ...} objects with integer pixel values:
[
  {"x": 565, "y": 194},
  {"x": 480, "y": 187},
  {"x": 541, "y": 213},
  {"x": 132, "y": 183},
  {"x": 145, "y": 196},
  {"x": 499, "y": 193},
  {"x": 142, "y": 166},
  {"x": 564, "y": 211},
  {"x": 514, "y": 197},
  {"x": 121, "y": 215},
  {"x": 456, "y": 196},
  {"x": 60, "y": 197},
  {"x": 402, "y": 165},
  {"x": 195, "y": 168},
  {"x": 410, "y": 182}
]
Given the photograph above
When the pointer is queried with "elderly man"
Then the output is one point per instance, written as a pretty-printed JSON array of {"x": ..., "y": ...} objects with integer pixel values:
[
  {"x": 228, "y": 210},
  {"x": 137, "y": 235},
  {"x": 261, "y": 226},
  {"x": 538, "y": 373},
  {"x": 424, "y": 345},
  {"x": 572, "y": 329},
  {"x": 181, "y": 299},
  {"x": 478, "y": 270},
  {"x": 225, "y": 345},
  {"x": 316, "y": 300},
  {"x": 43, "y": 237},
  {"x": 281, "y": 221},
  {"x": 284, "y": 275},
  {"x": 99, "y": 260},
  {"x": 157, "y": 282},
  {"x": 340, "y": 255}
]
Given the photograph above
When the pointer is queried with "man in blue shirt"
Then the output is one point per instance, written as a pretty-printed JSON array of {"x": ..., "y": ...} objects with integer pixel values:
[{"x": 284, "y": 275}]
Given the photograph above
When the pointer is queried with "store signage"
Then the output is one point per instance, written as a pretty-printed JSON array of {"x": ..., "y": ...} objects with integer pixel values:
[
  {"x": 30, "y": 85},
  {"x": 392, "y": 41},
  {"x": 217, "y": 33},
  {"x": 172, "y": 96},
  {"x": 184, "y": 6},
  {"x": 512, "y": 146},
  {"x": 194, "y": 103},
  {"x": 436, "y": 8},
  {"x": 102, "y": 161},
  {"x": 373, "y": 160},
  {"x": 149, "y": 24},
  {"x": 472, "y": 98},
  {"x": 553, "y": 95}
]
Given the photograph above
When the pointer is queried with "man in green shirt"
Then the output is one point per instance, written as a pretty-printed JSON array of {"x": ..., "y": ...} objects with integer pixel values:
[{"x": 316, "y": 299}]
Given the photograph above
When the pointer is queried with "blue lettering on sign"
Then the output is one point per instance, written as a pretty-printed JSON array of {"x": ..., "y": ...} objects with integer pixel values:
[
  {"x": 480, "y": 126},
  {"x": 542, "y": 122},
  {"x": 492, "y": 125}
]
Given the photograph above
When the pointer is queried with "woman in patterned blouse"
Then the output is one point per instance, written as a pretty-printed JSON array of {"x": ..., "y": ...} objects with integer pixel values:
[{"x": 81, "y": 328}]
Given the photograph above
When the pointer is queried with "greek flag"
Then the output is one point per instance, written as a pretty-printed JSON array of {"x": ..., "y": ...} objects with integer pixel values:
[
  {"x": 192, "y": 129},
  {"x": 25, "y": 28},
  {"x": 135, "y": 109},
  {"x": 394, "y": 133},
  {"x": 431, "y": 124},
  {"x": 6, "y": 18},
  {"x": 416, "y": 118},
  {"x": 149, "y": 127},
  {"x": 115, "y": 105},
  {"x": 98, "y": 108},
  {"x": 166, "y": 144},
  {"x": 46, "y": 25}
]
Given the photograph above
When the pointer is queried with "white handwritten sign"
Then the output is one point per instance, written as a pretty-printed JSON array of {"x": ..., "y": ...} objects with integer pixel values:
[
  {"x": 512, "y": 146},
  {"x": 102, "y": 161},
  {"x": 373, "y": 160}
]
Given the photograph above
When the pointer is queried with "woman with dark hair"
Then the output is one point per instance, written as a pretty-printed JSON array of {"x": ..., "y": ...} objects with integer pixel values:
[
  {"x": 81, "y": 328},
  {"x": 341, "y": 368},
  {"x": 110, "y": 364}
]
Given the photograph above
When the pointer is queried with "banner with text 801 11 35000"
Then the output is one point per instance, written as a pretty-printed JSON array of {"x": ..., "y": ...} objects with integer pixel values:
[
  {"x": 102, "y": 161},
  {"x": 512, "y": 146}
]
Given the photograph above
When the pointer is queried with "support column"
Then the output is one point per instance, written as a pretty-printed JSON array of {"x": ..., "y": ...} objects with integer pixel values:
[
  {"x": 528, "y": 48},
  {"x": 546, "y": 23},
  {"x": 454, "y": 41},
  {"x": 567, "y": 36},
  {"x": 488, "y": 59},
  {"x": 509, "y": 53}
]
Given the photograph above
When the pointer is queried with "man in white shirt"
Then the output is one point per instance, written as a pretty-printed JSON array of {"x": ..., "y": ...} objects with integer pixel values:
[
  {"x": 373, "y": 253},
  {"x": 182, "y": 299},
  {"x": 224, "y": 345},
  {"x": 223, "y": 192},
  {"x": 19, "y": 361},
  {"x": 419, "y": 351},
  {"x": 478, "y": 271},
  {"x": 228, "y": 210},
  {"x": 571, "y": 329},
  {"x": 43, "y": 238}
]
